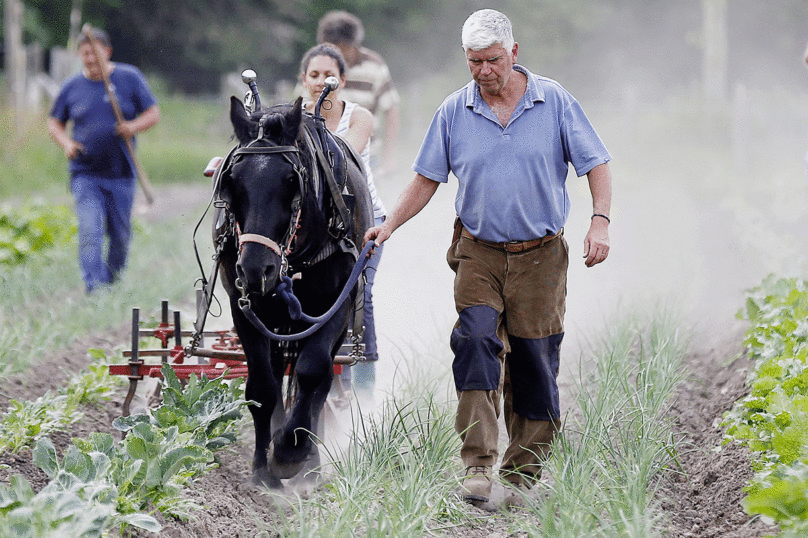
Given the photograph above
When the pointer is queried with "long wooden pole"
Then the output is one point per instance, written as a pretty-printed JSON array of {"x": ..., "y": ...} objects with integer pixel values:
[{"x": 116, "y": 107}]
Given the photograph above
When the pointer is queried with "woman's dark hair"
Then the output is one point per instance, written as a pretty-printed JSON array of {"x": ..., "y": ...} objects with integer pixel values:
[{"x": 324, "y": 49}]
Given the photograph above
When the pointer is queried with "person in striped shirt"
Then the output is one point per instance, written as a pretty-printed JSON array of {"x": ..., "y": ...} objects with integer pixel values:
[{"x": 367, "y": 83}]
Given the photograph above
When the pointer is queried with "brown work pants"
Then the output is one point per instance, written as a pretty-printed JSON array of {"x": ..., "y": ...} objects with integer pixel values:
[{"x": 527, "y": 291}]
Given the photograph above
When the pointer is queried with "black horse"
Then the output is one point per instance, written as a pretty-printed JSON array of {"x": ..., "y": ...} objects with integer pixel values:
[{"x": 282, "y": 195}]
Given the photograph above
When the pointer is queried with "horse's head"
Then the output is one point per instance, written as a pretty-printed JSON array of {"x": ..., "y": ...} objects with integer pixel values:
[{"x": 261, "y": 185}]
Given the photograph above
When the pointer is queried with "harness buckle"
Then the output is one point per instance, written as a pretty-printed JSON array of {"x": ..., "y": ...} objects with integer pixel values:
[{"x": 244, "y": 300}]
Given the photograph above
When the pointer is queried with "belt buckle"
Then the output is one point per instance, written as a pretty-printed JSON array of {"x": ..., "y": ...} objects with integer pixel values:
[{"x": 514, "y": 246}]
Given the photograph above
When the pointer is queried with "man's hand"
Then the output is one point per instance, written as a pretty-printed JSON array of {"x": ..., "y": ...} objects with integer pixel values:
[
  {"x": 126, "y": 129},
  {"x": 596, "y": 242},
  {"x": 58, "y": 132},
  {"x": 129, "y": 128},
  {"x": 377, "y": 234},
  {"x": 72, "y": 149}
]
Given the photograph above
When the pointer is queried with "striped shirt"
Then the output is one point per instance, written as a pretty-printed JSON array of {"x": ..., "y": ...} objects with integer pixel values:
[{"x": 368, "y": 84}]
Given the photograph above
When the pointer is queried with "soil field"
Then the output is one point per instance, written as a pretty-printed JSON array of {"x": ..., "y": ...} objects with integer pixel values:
[{"x": 701, "y": 500}]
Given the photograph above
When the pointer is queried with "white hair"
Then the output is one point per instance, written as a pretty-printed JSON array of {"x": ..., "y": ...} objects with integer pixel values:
[{"x": 487, "y": 27}]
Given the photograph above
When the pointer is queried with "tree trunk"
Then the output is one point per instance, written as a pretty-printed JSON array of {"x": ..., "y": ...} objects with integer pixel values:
[
  {"x": 75, "y": 25},
  {"x": 715, "y": 53},
  {"x": 15, "y": 57}
]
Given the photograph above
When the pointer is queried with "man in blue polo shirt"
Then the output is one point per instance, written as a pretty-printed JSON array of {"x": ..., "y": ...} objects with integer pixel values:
[
  {"x": 509, "y": 137},
  {"x": 102, "y": 176}
]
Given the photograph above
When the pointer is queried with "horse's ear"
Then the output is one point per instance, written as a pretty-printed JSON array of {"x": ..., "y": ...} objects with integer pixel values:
[
  {"x": 239, "y": 119},
  {"x": 293, "y": 122}
]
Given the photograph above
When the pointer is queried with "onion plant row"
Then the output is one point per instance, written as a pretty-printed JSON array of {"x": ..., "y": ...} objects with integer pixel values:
[
  {"x": 604, "y": 468},
  {"x": 27, "y": 421},
  {"x": 399, "y": 474}
]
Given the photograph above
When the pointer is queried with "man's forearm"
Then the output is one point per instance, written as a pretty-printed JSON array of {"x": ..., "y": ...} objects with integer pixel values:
[
  {"x": 412, "y": 200},
  {"x": 148, "y": 119},
  {"x": 58, "y": 132},
  {"x": 600, "y": 185}
]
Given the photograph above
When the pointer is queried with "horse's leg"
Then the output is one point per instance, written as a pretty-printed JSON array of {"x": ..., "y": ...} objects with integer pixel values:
[
  {"x": 293, "y": 445},
  {"x": 311, "y": 468},
  {"x": 262, "y": 388}
]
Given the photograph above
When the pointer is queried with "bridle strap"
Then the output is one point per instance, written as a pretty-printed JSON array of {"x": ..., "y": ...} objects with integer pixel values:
[
  {"x": 256, "y": 238},
  {"x": 260, "y": 239},
  {"x": 336, "y": 194},
  {"x": 266, "y": 149}
]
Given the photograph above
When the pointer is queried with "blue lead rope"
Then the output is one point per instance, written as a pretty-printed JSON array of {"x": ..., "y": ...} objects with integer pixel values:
[{"x": 284, "y": 290}]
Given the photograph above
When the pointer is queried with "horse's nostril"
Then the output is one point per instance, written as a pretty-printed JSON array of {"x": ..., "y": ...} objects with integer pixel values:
[{"x": 270, "y": 278}]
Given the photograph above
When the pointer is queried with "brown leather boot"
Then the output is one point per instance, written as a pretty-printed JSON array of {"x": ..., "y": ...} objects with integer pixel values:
[{"x": 476, "y": 486}]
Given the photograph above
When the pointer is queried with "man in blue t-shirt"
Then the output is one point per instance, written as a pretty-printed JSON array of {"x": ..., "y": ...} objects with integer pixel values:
[
  {"x": 102, "y": 175},
  {"x": 509, "y": 137}
]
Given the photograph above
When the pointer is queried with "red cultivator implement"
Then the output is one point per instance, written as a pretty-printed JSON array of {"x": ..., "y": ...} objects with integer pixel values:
[{"x": 222, "y": 355}]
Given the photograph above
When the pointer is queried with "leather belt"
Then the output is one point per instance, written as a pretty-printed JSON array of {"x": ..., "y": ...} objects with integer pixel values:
[{"x": 514, "y": 246}]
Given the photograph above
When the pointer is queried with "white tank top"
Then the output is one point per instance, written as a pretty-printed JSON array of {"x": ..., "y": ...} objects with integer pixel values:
[{"x": 342, "y": 128}]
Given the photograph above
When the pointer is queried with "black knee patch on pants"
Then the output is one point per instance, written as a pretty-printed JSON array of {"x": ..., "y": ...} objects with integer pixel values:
[
  {"x": 476, "y": 346},
  {"x": 533, "y": 368}
]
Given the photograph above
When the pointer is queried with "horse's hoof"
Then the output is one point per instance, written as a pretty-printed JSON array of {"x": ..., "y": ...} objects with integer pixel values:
[
  {"x": 264, "y": 477},
  {"x": 283, "y": 469}
]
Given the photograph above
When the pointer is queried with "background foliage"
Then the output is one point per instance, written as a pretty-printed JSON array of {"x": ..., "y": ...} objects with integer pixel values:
[{"x": 191, "y": 44}]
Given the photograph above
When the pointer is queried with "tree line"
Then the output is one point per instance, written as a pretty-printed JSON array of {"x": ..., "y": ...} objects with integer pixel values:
[{"x": 191, "y": 44}]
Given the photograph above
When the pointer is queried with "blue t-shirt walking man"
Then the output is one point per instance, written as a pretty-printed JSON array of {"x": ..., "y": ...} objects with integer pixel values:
[
  {"x": 509, "y": 137},
  {"x": 102, "y": 174}
]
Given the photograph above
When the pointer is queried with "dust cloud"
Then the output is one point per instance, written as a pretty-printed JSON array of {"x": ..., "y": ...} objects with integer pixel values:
[{"x": 709, "y": 197}]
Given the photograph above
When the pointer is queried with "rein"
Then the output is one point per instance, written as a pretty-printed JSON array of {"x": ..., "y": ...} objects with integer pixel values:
[{"x": 284, "y": 290}]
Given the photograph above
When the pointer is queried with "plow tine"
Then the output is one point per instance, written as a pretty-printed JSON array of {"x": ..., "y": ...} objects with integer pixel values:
[
  {"x": 134, "y": 362},
  {"x": 177, "y": 331}
]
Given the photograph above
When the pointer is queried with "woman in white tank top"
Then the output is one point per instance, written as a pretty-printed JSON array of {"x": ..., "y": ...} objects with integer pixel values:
[{"x": 354, "y": 124}]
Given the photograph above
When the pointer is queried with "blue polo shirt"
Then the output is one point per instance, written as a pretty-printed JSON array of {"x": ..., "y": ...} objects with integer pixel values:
[
  {"x": 86, "y": 102},
  {"x": 511, "y": 180}
]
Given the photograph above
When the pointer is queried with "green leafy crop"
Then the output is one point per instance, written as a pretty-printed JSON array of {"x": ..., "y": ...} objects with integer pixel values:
[
  {"x": 100, "y": 484},
  {"x": 772, "y": 420},
  {"x": 33, "y": 228},
  {"x": 206, "y": 407}
]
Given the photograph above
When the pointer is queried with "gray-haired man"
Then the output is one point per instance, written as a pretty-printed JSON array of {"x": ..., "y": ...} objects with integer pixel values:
[{"x": 509, "y": 137}]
